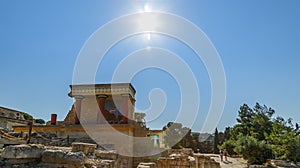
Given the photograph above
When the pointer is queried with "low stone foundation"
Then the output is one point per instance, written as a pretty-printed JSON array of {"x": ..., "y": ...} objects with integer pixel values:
[
  {"x": 186, "y": 159},
  {"x": 84, "y": 155},
  {"x": 86, "y": 148},
  {"x": 81, "y": 155}
]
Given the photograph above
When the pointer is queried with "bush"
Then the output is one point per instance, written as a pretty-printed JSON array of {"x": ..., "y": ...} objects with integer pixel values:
[
  {"x": 256, "y": 152},
  {"x": 40, "y": 121},
  {"x": 27, "y": 116},
  {"x": 229, "y": 145},
  {"x": 293, "y": 150}
]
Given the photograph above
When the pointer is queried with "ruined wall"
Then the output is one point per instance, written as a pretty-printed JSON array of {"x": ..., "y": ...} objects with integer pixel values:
[
  {"x": 70, "y": 117},
  {"x": 185, "y": 158},
  {"x": 39, "y": 156}
]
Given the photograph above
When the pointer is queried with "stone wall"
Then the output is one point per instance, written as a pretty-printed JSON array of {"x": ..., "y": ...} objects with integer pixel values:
[
  {"x": 186, "y": 159},
  {"x": 39, "y": 156},
  {"x": 69, "y": 120}
]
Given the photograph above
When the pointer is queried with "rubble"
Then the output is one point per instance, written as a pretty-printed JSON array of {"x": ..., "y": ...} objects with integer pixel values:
[
  {"x": 23, "y": 152},
  {"x": 81, "y": 155}
]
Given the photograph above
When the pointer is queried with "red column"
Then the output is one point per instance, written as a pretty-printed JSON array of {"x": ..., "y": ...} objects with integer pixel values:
[
  {"x": 126, "y": 101},
  {"x": 77, "y": 109},
  {"x": 101, "y": 103},
  {"x": 53, "y": 119}
]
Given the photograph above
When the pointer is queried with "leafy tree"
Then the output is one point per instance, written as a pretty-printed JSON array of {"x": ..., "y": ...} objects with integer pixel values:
[
  {"x": 244, "y": 121},
  {"x": 261, "y": 121},
  {"x": 27, "y": 116},
  {"x": 293, "y": 149},
  {"x": 281, "y": 135},
  {"x": 206, "y": 147},
  {"x": 187, "y": 140},
  {"x": 224, "y": 136},
  {"x": 258, "y": 136},
  {"x": 256, "y": 152},
  {"x": 39, "y": 121},
  {"x": 229, "y": 145},
  {"x": 254, "y": 122},
  {"x": 227, "y": 133},
  {"x": 195, "y": 142}
]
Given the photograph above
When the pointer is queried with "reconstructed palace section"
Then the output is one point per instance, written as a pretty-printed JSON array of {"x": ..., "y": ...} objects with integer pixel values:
[
  {"x": 103, "y": 113},
  {"x": 101, "y": 104}
]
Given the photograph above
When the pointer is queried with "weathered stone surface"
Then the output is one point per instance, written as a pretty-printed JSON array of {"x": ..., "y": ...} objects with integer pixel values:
[
  {"x": 20, "y": 161},
  {"x": 23, "y": 151},
  {"x": 63, "y": 157},
  {"x": 107, "y": 155},
  {"x": 86, "y": 148},
  {"x": 147, "y": 165},
  {"x": 185, "y": 160},
  {"x": 143, "y": 166},
  {"x": 281, "y": 163},
  {"x": 257, "y": 166}
]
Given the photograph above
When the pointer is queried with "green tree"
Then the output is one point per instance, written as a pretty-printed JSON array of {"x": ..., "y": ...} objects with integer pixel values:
[
  {"x": 195, "y": 142},
  {"x": 227, "y": 133},
  {"x": 27, "y": 116},
  {"x": 261, "y": 121},
  {"x": 258, "y": 136},
  {"x": 187, "y": 140},
  {"x": 281, "y": 135},
  {"x": 229, "y": 145},
  {"x": 256, "y": 122},
  {"x": 254, "y": 151},
  {"x": 39, "y": 121},
  {"x": 245, "y": 118},
  {"x": 293, "y": 149}
]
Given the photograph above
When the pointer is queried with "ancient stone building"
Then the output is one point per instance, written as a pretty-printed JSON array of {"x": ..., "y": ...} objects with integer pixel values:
[
  {"x": 10, "y": 118},
  {"x": 104, "y": 113},
  {"x": 102, "y": 103}
]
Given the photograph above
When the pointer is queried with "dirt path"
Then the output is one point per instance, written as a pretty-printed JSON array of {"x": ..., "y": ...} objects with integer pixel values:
[{"x": 231, "y": 162}]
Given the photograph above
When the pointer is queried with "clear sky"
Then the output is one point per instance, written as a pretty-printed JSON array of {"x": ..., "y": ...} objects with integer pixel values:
[{"x": 258, "y": 43}]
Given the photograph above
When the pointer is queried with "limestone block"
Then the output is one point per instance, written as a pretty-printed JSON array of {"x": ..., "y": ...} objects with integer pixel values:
[
  {"x": 215, "y": 164},
  {"x": 63, "y": 157},
  {"x": 110, "y": 155},
  {"x": 142, "y": 166},
  {"x": 86, "y": 148},
  {"x": 148, "y": 164},
  {"x": 108, "y": 163},
  {"x": 257, "y": 166},
  {"x": 280, "y": 163},
  {"x": 23, "y": 152}
]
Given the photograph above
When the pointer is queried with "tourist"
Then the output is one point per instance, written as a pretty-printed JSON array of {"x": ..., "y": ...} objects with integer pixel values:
[
  {"x": 225, "y": 153},
  {"x": 221, "y": 155}
]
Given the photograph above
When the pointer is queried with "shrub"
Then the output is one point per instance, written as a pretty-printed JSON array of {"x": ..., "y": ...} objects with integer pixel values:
[{"x": 256, "y": 152}]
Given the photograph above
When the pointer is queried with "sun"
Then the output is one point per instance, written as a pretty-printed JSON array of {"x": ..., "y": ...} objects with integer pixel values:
[{"x": 147, "y": 8}]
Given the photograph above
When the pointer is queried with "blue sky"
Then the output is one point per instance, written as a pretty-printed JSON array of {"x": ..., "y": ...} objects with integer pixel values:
[{"x": 258, "y": 43}]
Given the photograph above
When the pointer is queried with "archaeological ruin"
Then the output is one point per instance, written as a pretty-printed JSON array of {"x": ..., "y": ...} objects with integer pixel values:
[{"x": 100, "y": 130}]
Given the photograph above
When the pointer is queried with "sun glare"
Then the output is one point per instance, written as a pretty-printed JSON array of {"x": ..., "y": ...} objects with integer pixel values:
[
  {"x": 148, "y": 36},
  {"x": 147, "y": 8}
]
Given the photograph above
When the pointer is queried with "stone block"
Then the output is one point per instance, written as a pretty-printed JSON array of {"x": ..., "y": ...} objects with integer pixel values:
[
  {"x": 63, "y": 157},
  {"x": 86, "y": 148},
  {"x": 148, "y": 164},
  {"x": 109, "y": 155},
  {"x": 281, "y": 163},
  {"x": 23, "y": 152}
]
